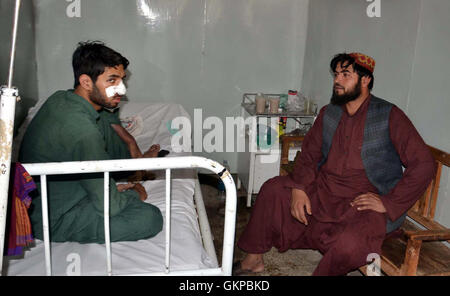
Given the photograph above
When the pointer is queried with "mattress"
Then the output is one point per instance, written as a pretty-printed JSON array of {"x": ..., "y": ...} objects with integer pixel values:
[{"x": 187, "y": 252}]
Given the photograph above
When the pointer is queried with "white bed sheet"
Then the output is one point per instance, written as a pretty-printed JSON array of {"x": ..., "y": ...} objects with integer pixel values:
[{"x": 187, "y": 252}]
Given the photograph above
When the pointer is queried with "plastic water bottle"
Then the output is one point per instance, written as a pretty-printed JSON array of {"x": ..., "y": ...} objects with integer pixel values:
[{"x": 221, "y": 185}]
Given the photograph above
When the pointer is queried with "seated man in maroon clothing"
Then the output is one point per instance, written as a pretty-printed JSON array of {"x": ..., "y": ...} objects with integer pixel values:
[{"x": 348, "y": 188}]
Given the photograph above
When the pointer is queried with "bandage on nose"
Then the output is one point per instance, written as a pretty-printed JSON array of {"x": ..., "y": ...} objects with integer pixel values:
[{"x": 119, "y": 89}]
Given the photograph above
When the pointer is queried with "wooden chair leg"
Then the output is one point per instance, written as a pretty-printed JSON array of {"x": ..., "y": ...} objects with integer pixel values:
[{"x": 411, "y": 257}]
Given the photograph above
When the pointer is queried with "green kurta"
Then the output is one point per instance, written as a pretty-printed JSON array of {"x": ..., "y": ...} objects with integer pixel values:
[
  {"x": 68, "y": 128},
  {"x": 116, "y": 148}
]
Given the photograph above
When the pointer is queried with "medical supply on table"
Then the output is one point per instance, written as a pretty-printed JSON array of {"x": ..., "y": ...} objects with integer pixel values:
[{"x": 260, "y": 101}]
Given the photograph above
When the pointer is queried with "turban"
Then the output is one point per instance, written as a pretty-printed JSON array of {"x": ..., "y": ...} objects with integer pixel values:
[{"x": 363, "y": 60}]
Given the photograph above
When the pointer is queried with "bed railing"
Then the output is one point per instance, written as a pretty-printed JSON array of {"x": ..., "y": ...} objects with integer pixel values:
[{"x": 167, "y": 164}]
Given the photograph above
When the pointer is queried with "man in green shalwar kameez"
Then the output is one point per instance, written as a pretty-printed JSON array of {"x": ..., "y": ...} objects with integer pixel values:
[{"x": 72, "y": 125}]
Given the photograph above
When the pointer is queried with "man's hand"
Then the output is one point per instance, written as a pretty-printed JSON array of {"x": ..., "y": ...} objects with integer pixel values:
[
  {"x": 152, "y": 151},
  {"x": 368, "y": 201},
  {"x": 299, "y": 202},
  {"x": 141, "y": 190}
]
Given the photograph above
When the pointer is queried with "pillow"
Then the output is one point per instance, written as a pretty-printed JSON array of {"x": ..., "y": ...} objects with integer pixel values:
[{"x": 134, "y": 125}]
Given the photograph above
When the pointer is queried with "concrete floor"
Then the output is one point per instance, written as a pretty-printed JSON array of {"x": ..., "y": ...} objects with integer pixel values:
[{"x": 290, "y": 263}]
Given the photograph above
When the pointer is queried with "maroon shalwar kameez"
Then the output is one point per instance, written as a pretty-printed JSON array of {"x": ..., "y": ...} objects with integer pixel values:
[{"x": 344, "y": 235}]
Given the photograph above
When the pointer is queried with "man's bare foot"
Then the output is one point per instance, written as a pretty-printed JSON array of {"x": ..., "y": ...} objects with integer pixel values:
[
  {"x": 253, "y": 262},
  {"x": 152, "y": 151}
]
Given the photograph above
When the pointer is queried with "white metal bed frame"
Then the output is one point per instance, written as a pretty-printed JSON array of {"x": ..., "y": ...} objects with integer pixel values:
[
  {"x": 8, "y": 97},
  {"x": 167, "y": 164}
]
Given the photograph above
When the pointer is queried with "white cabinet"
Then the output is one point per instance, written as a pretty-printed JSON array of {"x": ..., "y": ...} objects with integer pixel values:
[
  {"x": 257, "y": 165},
  {"x": 263, "y": 171}
]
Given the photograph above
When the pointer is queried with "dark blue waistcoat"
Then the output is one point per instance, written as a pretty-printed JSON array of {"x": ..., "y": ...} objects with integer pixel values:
[{"x": 380, "y": 159}]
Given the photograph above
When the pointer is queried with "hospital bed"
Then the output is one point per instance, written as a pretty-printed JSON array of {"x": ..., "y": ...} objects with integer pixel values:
[{"x": 183, "y": 247}]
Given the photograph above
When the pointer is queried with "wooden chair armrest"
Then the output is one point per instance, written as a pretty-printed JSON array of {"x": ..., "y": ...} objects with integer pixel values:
[
  {"x": 285, "y": 140},
  {"x": 428, "y": 235}
]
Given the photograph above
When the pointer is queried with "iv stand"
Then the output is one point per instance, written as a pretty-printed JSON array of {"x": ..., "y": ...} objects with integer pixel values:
[{"x": 9, "y": 96}]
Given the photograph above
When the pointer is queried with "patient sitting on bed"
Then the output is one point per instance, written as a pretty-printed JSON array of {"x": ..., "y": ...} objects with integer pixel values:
[{"x": 72, "y": 125}]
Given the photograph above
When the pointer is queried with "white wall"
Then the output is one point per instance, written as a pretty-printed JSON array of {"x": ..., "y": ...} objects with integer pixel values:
[
  {"x": 410, "y": 42},
  {"x": 343, "y": 26},
  {"x": 429, "y": 98},
  {"x": 201, "y": 54}
]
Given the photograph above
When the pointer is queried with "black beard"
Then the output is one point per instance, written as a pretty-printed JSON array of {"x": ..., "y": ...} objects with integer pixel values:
[
  {"x": 346, "y": 97},
  {"x": 96, "y": 97}
]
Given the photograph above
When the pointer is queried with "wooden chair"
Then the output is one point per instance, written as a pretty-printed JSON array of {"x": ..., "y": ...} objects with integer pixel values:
[
  {"x": 420, "y": 250},
  {"x": 417, "y": 248}
]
